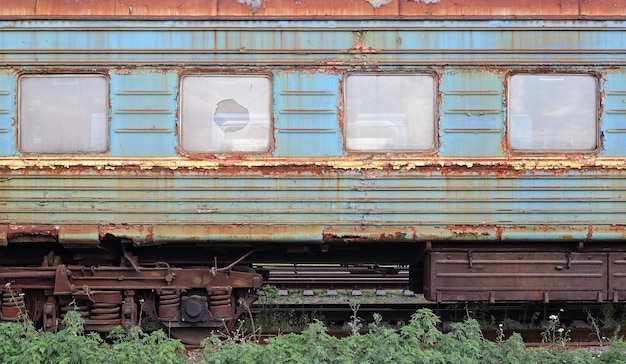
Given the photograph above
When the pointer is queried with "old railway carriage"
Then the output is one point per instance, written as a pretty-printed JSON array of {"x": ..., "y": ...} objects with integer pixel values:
[{"x": 151, "y": 150}]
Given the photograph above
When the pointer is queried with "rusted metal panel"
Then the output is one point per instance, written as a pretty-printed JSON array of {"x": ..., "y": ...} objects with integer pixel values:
[
  {"x": 18, "y": 233},
  {"x": 315, "y": 8},
  {"x": 599, "y": 8},
  {"x": 309, "y": 8},
  {"x": 493, "y": 9},
  {"x": 617, "y": 277},
  {"x": 138, "y": 234},
  {"x": 522, "y": 275},
  {"x": 108, "y": 8},
  {"x": 187, "y": 231}
]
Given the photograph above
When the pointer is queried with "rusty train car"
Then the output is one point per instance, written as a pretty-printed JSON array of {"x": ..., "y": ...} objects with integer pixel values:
[{"x": 152, "y": 150}]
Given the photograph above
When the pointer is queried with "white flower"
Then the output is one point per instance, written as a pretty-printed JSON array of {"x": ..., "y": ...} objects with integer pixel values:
[
  {"x": 553, "y": 317},
  {"x": 560, "y": 330}
]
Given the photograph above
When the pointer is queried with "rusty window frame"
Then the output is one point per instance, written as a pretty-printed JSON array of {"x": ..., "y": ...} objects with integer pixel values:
[
  {"x": 102, "y": 119},
  {"x": 433, "y": 114},
  {"x": 232, "y": 76},
  {"x": 557, "y": 130}
]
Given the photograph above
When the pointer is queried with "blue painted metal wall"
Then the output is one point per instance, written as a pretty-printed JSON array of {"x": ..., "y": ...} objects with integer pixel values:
[
  {"x": 613, "y": 120},
  {"x": 143, "y": 113},
  {"x": 7, "y": 114},
  {"x": 306, "y": 107},
  {"x": 472, "y": 113}
]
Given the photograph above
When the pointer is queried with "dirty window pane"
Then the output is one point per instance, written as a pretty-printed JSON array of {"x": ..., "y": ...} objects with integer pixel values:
[
  {"x": 390, "y": 112},
  {"x": 225, "y": 113},
  {"x": 63, "y": 114},
  {"x": 553, "y": 112}
]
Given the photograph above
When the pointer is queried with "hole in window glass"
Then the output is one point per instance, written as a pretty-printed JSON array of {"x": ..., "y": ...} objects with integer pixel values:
[
  {"x": 549, "y": 112},
  {"x": 390, "y": 112},
  {"x": 63, "y": 114},
  {"x": 225, "y": 113}
]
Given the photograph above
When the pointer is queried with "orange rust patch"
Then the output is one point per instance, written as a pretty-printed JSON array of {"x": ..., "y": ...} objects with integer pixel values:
[
  {"x": 140, "y": 235},
  {"x": 11, "y": 232},
  {"x": 360, "y": 48}
]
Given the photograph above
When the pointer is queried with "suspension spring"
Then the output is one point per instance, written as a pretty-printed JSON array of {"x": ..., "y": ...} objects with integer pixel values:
[
  {"x": 83, "y": 310},
  {"x": 221, "y": 303},
  {"x": 12, "y": 304},
  {"x": 169, "y": 303},
  {"x": 105, "y": 311}
]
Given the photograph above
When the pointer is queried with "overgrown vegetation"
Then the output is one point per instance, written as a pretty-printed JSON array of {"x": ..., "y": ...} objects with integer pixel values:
[
  {"x": 419, "y": 341},
  {"x": 21, "y": 342}
]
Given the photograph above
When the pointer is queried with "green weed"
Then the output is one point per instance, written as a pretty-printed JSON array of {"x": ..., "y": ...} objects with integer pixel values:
[{"x": 419, "y": 341}]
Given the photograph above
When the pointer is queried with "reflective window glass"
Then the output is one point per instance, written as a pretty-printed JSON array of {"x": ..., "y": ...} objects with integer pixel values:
[
  {"x": 225, "y": 113},
  {"x": 63, "y": 114},
  {"x": 551, "y": 112},
  {"x": 390, "y": 112}
]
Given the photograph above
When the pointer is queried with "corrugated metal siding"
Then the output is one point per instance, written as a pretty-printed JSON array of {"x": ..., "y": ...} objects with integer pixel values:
[
  {"x": 315, "y": 42},
  {"x": 421, "y": 207}
]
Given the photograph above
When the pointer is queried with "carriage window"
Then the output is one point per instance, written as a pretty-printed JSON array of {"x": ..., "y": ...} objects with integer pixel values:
[
  {"x": 390, "y": 112},
  {"x": 63, "y": 114},
  {"x": 225, "y": 113},
  {"x": 551, "y": 112}
]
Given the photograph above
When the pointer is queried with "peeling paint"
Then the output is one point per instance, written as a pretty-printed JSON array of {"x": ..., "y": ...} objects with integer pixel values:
[
  {"x": 445, "y": 165},
  {"x": 378, "y": 3},
  {"x": 255, "y": 4},
  {"x": 427, "y": 1}
]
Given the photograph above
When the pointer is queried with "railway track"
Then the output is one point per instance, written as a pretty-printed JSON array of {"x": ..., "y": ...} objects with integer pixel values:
[
  {"x": 334, "y": 277},
  {"x": 335, "y": 294}
]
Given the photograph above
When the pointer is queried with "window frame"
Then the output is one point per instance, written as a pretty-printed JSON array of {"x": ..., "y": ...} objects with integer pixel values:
[
  {"x": 435, "y": 114},
  {"x": 270, "y": 111},
  {"x": 69, "y": 74},
  {"x": 597, "y": 119}
]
